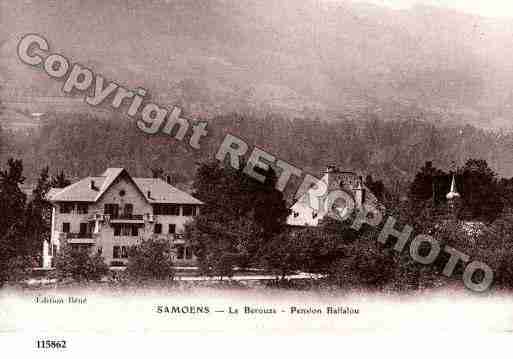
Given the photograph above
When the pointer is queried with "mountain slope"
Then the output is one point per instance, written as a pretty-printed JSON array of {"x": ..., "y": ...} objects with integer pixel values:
[{"x": 293, "y": 57}]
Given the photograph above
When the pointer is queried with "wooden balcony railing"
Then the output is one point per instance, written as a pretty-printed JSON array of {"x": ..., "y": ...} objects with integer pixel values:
[
  {"x": 79, "y": 235},
  {"x": 136, "y": 217}
]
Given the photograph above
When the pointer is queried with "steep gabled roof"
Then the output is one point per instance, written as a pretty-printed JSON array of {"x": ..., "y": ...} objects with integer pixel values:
[
  {"x": 302, "y": 213},
  {"x": 159, "y": 190},
  {"x": 80, "y": 191},
  {"x": 110, "y": 175},
  {"x": 163, "y": 192}
]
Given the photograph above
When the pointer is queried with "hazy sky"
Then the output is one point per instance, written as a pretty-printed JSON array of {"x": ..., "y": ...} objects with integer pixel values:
[{"x": 491, "y": 8}]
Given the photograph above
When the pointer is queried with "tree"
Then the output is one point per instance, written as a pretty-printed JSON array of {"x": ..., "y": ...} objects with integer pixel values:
[
  {"x": 79, "y": 265},
  {"x": 151, "y": 259},
  {"x": 282, "y": 255},
  {"x": 59, "y": 181},
  {"x": 220, "y": 247},
  {"x": 230, "y": 193},
  {"x": 311, "y": 250},
  {"x": 39, "y": 215},
  {"x": 239, "y": 215},
  {"x": 421, "y": 189},
  {"x": 157, "y": 172},
  {"x": 376, "y": 187},
  {"x": 12, "y": 218},
  {"x": 506, "y": 188},
  {"x": 481, "y": 193},
  {"x": 364, "y": 264}
]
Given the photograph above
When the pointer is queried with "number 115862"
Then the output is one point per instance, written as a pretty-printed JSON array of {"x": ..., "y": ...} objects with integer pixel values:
[{"x": 51, "y": 344}]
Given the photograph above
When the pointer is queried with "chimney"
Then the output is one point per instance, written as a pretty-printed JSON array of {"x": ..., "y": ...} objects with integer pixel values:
[
  {"x": 330, "y": 168},
  {"x": 168, "y": 179},
  {"x": 93, "y": 186}
]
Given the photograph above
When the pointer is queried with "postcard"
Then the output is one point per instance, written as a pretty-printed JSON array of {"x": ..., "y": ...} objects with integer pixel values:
[{"x": 179, "y": 174}]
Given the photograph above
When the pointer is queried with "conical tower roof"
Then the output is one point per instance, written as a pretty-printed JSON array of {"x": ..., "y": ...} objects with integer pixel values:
[{"x": 453, "y": 193}]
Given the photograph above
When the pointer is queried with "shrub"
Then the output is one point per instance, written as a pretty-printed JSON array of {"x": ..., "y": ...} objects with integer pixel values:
[
  {"x": 282, "y": 256},
  {"x": 504, "y": 271},
  {"x": 309, "y": 250},
  {"x": 150, "y": 260},
  {"x": 79, "y": 265},
  {"x": 365, "y": 264},
  {"x": 18, "y": 269}
]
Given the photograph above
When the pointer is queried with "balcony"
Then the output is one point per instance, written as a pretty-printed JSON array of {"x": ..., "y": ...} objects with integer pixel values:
[
  {"x": 119, "y": 218},
  {"x": 80, "y": 238},
  {"x": 127, "y": 218},
  {"x": 138, "y": 217},
  {"x": 173, "y": 237}
]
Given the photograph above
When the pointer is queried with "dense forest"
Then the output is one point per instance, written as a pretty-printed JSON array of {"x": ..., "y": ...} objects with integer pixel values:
[
  {"x": 409, "y": 164},
  {"x": 393, "y": 151}
]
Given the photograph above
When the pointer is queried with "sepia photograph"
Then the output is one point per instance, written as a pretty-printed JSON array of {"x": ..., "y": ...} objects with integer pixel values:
[{"x": 305, "y": 171}]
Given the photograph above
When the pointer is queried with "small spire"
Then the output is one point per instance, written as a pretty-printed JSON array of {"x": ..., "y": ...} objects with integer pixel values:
[{"x": 453, "y": 192}]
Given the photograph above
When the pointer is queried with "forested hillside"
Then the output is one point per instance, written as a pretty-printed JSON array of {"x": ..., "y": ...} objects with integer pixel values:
[{"x": 393, "y": 151}]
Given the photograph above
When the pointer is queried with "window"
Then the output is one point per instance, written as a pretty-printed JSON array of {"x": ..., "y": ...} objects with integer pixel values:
[
  {"x": 189, "y": 210},
  {"x": 112, "y": 209},
  {"x": 66, "y": 207},
  {"x": 172, "y": 228},
  {"x": 126, "y": 230},
  {"x": 82, "y": 208},
  {"x": 129, "y": 209},
  {"x": 188, "y": 252},
  {"x": 83, "y": 228},
  {"x": 120, "y": 252},
  {"x": 135, "y": 231},
  {"x": 66, "y": 227},
  {"x": 158, "y": 228},
  {"x": 166, "y": 209},
  {"x": 179, "y": 252}
]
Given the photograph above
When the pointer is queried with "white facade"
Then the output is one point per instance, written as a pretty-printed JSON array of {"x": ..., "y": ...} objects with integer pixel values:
[
  {"x": 123, "y": 212},
  {"x": 312, "y": 207}
]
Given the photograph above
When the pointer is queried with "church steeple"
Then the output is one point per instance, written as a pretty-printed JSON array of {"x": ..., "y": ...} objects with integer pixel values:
[
  {"x": 453, "y": 200},
  {"x": 453, "y": 193}
]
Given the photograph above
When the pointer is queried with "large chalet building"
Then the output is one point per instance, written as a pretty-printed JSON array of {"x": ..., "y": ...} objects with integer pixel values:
[
  {"x": 114, "y": 211},
  {"x": 303, "y": 214}
]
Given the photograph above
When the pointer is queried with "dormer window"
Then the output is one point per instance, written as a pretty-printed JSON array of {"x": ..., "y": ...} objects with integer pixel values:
[
  {"x": 166, "y": 209},
  {"x": 66, "y": 207},
  {"x": 128, "y": 210},
  {"x": 112, "y": 209},
  {"x": 189, "y": 210},
  {"x": 82, "y": 208}
]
